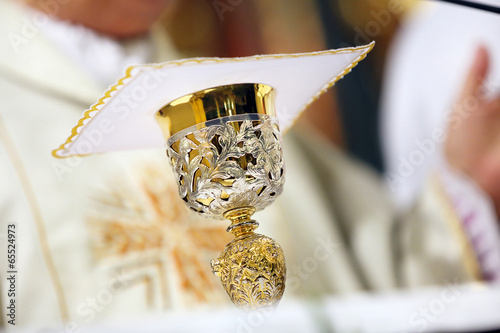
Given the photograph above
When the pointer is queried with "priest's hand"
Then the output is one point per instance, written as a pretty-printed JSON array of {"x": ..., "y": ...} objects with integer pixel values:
[{"x": 473, "y": 142}]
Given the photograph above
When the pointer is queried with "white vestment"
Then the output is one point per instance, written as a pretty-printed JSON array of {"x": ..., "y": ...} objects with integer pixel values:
[{"x": 334, "y": 221}]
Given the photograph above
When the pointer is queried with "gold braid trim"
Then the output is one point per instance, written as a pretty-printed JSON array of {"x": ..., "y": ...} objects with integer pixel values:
[
  {"x": 37, "y": 215},
  {"x": 469, "y": 259}
]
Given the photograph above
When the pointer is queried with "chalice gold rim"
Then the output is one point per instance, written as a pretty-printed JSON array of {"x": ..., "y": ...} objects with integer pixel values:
[{"x": 213, "y": 103}]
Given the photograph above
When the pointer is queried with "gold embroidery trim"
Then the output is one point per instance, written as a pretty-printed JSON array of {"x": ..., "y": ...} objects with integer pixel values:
[
  {"x": 469, "y": 258},
  {"x": 37, "y": 216}
]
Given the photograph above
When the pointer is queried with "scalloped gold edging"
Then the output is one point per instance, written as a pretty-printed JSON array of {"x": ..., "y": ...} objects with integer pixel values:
[{"x": 128, "y": 74}]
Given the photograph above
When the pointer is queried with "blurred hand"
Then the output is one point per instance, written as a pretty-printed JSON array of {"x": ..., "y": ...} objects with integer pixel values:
[{"x": 473, "y": 141}]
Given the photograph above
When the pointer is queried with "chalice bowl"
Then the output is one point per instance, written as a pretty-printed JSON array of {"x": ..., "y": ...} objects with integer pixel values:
[{"x": 224, "y": 146}]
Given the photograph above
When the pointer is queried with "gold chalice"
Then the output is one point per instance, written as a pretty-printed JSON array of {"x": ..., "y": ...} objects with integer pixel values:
[{"x": 224, "y": 146}]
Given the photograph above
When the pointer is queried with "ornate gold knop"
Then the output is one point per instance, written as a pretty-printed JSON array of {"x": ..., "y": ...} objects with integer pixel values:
[{"x": 251, "y": 267}]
